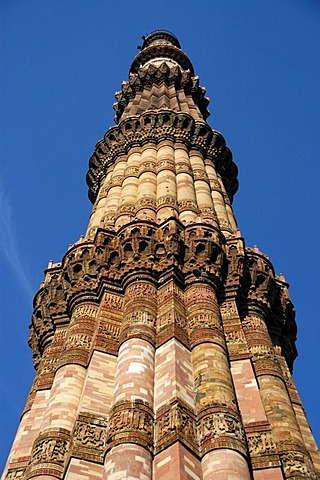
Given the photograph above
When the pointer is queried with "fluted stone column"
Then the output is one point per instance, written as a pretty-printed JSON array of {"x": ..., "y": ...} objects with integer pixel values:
[
  {"x": 207, "y": 211},
  {"x": 28, "y": 431},
  {"x": 299, "y": 411},
  {"x": 175, "y": 440},
  {"x": 219, "y": 422},
  {"x": 186, "y": 197},
  {"x": 166, "y": 182},
  {"x": 90, "y": 431},
  {"x": 274, "y": 394},
  {"x": 131, "y": 416},
  {"x": 128, "y": 196},
  {"x": 36, "y": 404},
  {"x": 50, "y": 448},
  {"x": 230, "y": 214},
  {"x": 146, "y": 205},
  {"x": 138, "y": 378},
  {"x": 218, "y": 198}
]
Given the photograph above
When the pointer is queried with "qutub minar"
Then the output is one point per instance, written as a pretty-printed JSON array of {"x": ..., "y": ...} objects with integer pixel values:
[{"x": 163, "y": 345}]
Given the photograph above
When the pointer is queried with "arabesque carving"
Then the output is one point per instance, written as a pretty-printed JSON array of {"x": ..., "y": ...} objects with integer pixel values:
[
  {"x": 170, "y": 318},
  {"x": 89, "y": 437},
  {"x": 221, "y": 429},
  {"x": 229, "y": 310},
  {"x": 175, "y": 421},
  {"x": 84, "y": 311},
  {"x": 131, "y": 422},
  {"x": 217, "y": 424},
  {"x": 297, "y": 465},
  {"x": 261, "y": 443},
  {"x": 50, "y": 450}
]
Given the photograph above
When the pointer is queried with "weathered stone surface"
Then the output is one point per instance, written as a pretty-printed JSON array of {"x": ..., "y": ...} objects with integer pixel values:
[{"x": 162, "y": 345}]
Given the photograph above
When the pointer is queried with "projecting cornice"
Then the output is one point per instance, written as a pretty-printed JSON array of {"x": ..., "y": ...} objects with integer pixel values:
[
  {"x": 155, "y": 126},
  {"x": 192, "y": 253},
  {"x": 161, "y": 44},
  {"x": 160, "y": 35},
  {"x": 162, "y": 51}
]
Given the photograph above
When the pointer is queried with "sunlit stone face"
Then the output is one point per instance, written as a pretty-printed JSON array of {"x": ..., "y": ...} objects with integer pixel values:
[
  {"x": 159, "y": 61},
  {"x": 161, "y": 41}
]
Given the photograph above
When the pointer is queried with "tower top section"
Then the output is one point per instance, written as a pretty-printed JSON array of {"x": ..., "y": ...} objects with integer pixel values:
[
  {"x": 161, "y": 76},
  {"x": 160, "y": 37},
  {"x": 158, "y": 47},
  {"x": 162, "y": 101}
]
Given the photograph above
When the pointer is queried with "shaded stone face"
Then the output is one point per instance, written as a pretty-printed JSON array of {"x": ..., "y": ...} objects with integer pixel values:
[{"x": 162, "y": 345}]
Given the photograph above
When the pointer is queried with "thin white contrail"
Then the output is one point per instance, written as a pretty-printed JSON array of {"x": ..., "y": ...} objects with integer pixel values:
[{"x": 8, "y": 243}]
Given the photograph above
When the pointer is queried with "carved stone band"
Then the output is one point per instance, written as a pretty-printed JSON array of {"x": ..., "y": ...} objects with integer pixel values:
[
  {"x": 221, "y": 430},
  {"x": 49, "y": 453},
  {"x": 174, "y": 422},
  {"x": 131, "y": 422},
  {"x": 155, "y": 126}
]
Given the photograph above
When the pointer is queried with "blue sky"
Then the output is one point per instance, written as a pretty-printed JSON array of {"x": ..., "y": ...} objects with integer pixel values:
[{"x": 61, "y": 63}]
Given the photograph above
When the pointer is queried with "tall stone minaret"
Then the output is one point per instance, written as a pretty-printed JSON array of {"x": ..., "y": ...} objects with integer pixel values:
[{"x": 163, "y": 346}]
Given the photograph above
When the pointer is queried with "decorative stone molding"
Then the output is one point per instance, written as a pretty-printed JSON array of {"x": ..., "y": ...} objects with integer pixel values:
[
  {"x": 205, "y": 327},
  {"x": 155, "y": 126},
  {"x": 297, "y": 466},
  {"x": 236, "y": 260},
  {"x": 161, "y": 50},
  {"x": 236, "y": 341},
  {"x": 261, "y": 283},
  {"x": 110, "y": 258},
  {"x": 50, "y": 450},
  {"x": 266, "y": 298},
  {"x": 78, "y": 345},
  {"x": 175, "y": 422},
  {"x": 172, "y": 325},
  {"x": 89, "y": 437},
  {"x": 131, "y": 422},
  {"x": 262, "y": 448},
  {"x": 283, "y": 328},
  {"x": 193, "y": 250},
  {"x": 220, "y": 428},
  {"x": 261, "y": 443},
  {"x": 15, "y": 474},
  {"x": 49, "y": 453}
]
